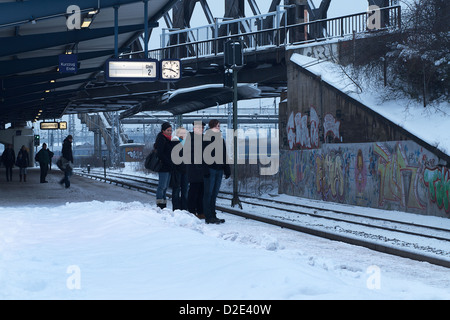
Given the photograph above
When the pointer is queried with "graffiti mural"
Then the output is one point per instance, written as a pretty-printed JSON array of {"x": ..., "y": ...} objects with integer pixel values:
[
  {"x": 438, "y": 183},
  {"x": 360, "y": 175},
  {"x": 331, "y": 172},
  {"x": 399, "y": 181},
  {"x": 390, "y": 175},
  {"x": 330, "y": 125},
  {"x": 301, "y": 136}
]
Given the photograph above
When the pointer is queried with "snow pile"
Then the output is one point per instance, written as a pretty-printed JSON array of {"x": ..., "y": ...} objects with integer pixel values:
[{"x": 115, "y": 250}]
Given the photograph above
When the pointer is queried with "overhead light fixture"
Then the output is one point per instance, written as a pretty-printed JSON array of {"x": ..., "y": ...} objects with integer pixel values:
[
  {"x": 86, "y": 23},
  {"x": 93, "y": 12}
]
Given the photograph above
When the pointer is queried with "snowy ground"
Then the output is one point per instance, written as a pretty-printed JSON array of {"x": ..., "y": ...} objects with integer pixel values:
[{"x": 128, "y": 249}]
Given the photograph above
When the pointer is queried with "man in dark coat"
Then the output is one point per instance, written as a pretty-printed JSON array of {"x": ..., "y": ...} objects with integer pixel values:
[
  {"x": 195, "y": 171},
  {"x": 215, "y": 167},
  {"x": 67, "y": 160},
  {"x": 43, "y": 157},
  {"x": 8, "y": 159}
]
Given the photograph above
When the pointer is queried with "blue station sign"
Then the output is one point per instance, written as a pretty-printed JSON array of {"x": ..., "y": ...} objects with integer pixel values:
[{"x": 68, "y": 63}]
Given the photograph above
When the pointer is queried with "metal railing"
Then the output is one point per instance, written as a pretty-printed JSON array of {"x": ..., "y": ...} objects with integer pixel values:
[{"x": 267, "y": 30}]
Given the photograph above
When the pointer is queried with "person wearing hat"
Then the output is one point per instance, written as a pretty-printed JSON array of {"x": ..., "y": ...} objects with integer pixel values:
[
  {"x": 163, "y": 148},
  {"x": 67, "y": 160},
  {"x": 195, "y": 171}
]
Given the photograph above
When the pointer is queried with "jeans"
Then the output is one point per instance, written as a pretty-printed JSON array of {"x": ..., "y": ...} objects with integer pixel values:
[
  {"x": 66, "y": 180},
  {"x": 180, "y": 192},
  {"x": 211, "y": 190},
  {"x": 163, "y": 184}
]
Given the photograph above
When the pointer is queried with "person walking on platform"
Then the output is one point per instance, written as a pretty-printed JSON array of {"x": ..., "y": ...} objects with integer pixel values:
[
  {"x": 178, "y": 180},
  {"x": 67, "y": 161},
  {"x": 194, "y": 171},
  {"x": 163, "y": 148},
  {"x": 215, "y": 166},
  {"x": 23, "y": 162},
  {"x": 44, "y": 157},
  {"x": 8, "y": 159}
]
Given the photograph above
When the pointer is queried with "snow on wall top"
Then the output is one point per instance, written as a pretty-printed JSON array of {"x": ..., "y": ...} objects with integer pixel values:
[{"x": 431, "y": 124}]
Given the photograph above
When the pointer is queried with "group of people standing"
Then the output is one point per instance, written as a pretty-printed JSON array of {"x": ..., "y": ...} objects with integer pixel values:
[
  {"x": 195, "y": 182},
  {"x": 43, "y": 157},
  {"x": 22, "y": 161}
]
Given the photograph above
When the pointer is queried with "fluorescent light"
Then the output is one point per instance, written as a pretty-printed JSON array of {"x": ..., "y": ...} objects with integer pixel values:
[{"x": 86, "y": 23}]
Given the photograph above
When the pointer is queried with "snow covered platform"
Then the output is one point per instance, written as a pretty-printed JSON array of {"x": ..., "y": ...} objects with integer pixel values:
[
  {"x": 34, "y": 193},
  {"x": 99, "y": 241}
]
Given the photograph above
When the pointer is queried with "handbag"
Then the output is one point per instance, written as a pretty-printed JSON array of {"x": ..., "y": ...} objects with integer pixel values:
[
  {"x": 63, "y": 164},
  {"x": 152, "y": 162},
  {"x": 59, "y": 164}
]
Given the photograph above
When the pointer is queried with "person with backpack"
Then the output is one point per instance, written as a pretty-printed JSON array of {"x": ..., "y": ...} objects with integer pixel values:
[
  {"x": 23, "y": 162},
  {"x": 163, "y": 146},
  {"x": 67, "y": 161}
]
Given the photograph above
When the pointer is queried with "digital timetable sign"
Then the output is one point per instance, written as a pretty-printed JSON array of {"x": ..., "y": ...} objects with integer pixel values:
[{"x": 54, "y": 125}]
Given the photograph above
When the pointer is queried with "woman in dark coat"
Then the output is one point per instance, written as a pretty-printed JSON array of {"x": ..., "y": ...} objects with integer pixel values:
[
  {"x": 163, "y": 148},
  {"x": 23, "y": 162},
  {"x": 9, "y": 159}
]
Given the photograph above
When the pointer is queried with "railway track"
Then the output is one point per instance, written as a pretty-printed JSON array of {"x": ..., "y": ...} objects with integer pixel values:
[{"x": 401, "y": 238}]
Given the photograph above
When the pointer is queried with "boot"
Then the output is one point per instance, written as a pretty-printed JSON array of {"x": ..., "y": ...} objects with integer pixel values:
[
  {"x": 20, "y": 178},
  {"x": 161, "y": 203}
]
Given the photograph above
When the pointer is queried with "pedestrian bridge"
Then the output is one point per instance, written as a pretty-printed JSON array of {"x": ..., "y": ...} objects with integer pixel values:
[{"x": 265, "y": 38}]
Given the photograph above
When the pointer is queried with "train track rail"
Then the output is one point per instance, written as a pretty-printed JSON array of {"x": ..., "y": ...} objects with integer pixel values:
[{"x": 419, "y": 242}]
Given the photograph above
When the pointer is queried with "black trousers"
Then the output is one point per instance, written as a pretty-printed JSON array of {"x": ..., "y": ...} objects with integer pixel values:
[
  {"x": 8, "y": 173},
  {"x": 195, "y": 198},
  {"x": 44, "y": 171}
]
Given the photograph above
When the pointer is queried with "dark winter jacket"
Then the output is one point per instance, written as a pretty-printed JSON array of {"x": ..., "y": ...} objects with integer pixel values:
[
  {"x": 163, "y": 147},
  {"x": 181, "y": 168},
  {"x": 43, "y": 157},
  {"x": 8, "y": 157},
  {"x": 67, "y": 150},
  {"x": 194, "y": 171},
  {"x": 222, "y": 163},
  {"x": 23, "y": 160}
]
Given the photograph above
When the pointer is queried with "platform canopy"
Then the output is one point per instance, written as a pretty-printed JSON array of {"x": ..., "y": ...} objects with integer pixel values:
[{"x": 33, "y": 35}]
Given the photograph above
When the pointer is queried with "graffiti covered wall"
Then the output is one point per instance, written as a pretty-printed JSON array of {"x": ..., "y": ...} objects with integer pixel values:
[
  {"x": 395, "y": 175},
  {"x": 333, "y": 148}
]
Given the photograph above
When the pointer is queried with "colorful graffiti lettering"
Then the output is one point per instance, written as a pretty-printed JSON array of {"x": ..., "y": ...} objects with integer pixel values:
[
  {"x": 299, "y": 134},
  {"x": 331, "y": 125},
  {"x": 438, "y": 183},
  {"x": 331, "y": 171},
  {"x": 399, "y": 181},
  {"x": 360, "y": 173}
]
